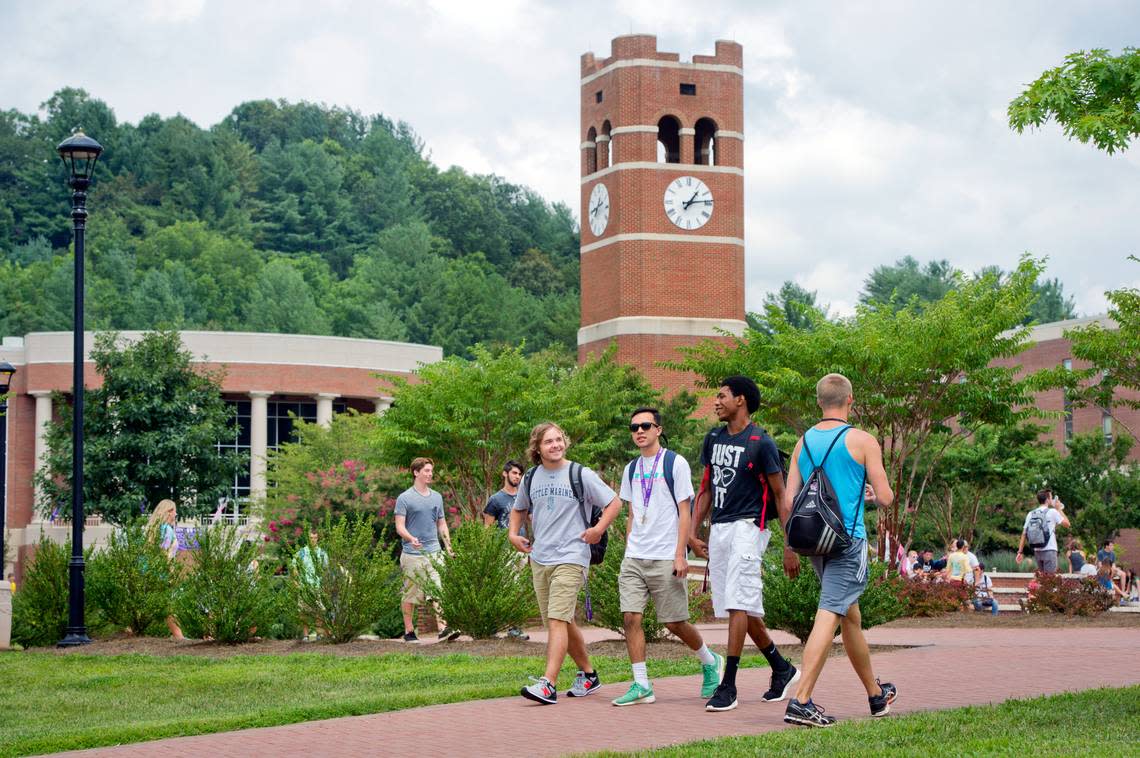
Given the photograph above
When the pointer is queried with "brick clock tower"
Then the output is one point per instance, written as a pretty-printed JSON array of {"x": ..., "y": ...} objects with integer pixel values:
[{"x": 662, "y": 202}]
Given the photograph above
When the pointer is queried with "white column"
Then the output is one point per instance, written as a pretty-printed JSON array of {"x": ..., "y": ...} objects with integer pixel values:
[
  {"x": 382, "y": 404},
  {"x": 258, "y": 442},
  {"x": 324, "y": 408},
  {"x": 43, "y": 418}
]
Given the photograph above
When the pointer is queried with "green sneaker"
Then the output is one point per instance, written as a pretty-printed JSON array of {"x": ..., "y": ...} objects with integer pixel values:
[
  {"x": 636, "y": 694},
  {"x": 713, "y": 673}
]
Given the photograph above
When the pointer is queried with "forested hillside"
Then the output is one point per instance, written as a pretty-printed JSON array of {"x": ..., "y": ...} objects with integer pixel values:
[{"x": 284, "y": 217}]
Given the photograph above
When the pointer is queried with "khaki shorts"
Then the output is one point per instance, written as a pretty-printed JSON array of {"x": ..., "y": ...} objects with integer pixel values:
[
  {"x": 417, "y": 570},
  {"x": 557, "y": 588},
  {"x": 641, "y": 579}
]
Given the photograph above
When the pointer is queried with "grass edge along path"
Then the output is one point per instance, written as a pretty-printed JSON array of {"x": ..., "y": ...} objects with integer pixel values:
[
  {"x": 1104, "y": 722},
  {"x": 54, "y": 703}
]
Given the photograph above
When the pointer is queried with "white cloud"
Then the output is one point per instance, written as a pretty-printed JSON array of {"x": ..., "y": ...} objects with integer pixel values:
[{"x": 872, "y": 131}]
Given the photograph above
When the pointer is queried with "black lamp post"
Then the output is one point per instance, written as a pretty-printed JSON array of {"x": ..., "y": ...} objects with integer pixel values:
[
  {"x": 79, "y": 153},
  {"x": 6, "y": 371}
]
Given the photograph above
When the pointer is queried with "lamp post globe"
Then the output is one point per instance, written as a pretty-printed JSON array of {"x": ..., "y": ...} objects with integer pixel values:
[
  {"x": 6, "y": 372},
  {"x": 79, "y": 153}
]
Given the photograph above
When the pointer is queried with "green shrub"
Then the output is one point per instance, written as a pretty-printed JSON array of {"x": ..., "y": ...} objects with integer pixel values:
[
  {"x": 791, "y": 604},
  {"x": 934, "y": 598},
  {"x": 1054, "y": 593},
  {"x": 1006, "y": 561},
  {"x": 131, "y": 581},
  {"x": 356, "y": 581},
  {"x": 484, "y": 588},
  {"x": 284, "y": 625},
  {"x": 39, "y": 607},
  {"x": 225, "y": 594},
  {"x": 606, "y": 601}
]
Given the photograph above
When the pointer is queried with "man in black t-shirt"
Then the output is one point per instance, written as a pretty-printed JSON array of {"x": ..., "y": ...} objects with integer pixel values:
[{"x": 743, "y": 481}]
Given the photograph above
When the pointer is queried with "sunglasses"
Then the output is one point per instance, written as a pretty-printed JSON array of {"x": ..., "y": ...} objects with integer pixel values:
[{"x": 644, "y": 426}]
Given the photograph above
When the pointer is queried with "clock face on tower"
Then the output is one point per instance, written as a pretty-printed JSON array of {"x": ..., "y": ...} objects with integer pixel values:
[
  {"x": 599, "y": 209},
  {"x": 688, "y": 202}
]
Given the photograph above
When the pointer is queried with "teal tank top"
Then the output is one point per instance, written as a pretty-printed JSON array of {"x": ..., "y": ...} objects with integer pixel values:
[{"x": 846, "y": 474}]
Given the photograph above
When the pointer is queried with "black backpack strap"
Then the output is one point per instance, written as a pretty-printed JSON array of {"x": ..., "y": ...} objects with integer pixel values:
[
  {"x": 670, "y": 459},
  {"x": 578, "y": 490},
  {"x": 528, "y": 477},
  {"x": 807, "y": 450}
]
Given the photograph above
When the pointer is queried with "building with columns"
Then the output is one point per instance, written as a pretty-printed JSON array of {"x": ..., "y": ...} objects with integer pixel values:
[{"x": 267, "y": 377}]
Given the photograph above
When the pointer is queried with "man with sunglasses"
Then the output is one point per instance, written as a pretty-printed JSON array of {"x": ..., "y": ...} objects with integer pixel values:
[{"x": 658, "y": 487}]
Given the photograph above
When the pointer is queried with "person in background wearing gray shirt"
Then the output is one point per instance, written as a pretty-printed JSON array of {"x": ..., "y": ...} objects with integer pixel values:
[
  {"x": 421, "y": 526},
  {"x": 498, "y": 513},
  {"x": 560, "y": 555}
]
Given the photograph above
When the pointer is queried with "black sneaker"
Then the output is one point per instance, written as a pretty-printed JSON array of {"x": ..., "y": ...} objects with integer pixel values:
[
  {"x": 781, "y": 684},
  {"x": 724, "y": 699},
  {"x": 447, "y": 634},
  {"x": 881, "y": 704},
  {"x": 807, "y": 714},
  {"x": 411, "y": 637}
]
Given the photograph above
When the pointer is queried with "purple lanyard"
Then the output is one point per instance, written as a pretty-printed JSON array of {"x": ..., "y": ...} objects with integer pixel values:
[{"x": 647, "y": 489}]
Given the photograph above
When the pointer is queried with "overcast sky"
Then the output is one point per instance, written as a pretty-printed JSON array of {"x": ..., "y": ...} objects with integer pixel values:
[{"x": 873, "y": 129}]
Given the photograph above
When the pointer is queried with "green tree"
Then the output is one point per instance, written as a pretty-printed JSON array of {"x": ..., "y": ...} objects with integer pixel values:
[
  {"x": 150, "y": 430},
  {"x": 905, "y": 282},
  {"x": 472, "y": 415},
  {"x": 923, "y": 376},
  {"x": 1093, "y": 95},
  {"x": 1051, "y": 304},
  {"x": 1098, "y": 484},
  {"x": 282, "y": 301},
  {"x": 796, "y": 305},
  {"x": 1112, "y": 351}
]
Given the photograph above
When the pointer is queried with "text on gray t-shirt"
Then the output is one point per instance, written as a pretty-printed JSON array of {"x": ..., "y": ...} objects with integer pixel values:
[
  {"x": 420, "y": 514},
  {"x": 556, "y": 515}
]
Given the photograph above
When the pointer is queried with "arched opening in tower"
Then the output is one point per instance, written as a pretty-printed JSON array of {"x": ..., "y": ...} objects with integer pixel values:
[
  {"x": 606, "y": 146},
  {"x": 668, "y": 140},
  {"x": 705, "y": 138},
  {"x": 591, "y": 150}
]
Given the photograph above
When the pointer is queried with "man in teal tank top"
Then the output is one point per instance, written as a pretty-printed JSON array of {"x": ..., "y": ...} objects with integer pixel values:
[{"x": 855, "y": 461}]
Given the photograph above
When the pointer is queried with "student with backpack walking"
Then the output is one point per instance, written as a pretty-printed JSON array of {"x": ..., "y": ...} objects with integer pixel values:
[
  {"x": 837, "y": 461},
  {"x": 743, "y": 482},
  {"x": 560, "y": 496},
  {"x": 658, "y": 487},
  {"x": 1040, "y": 531}
]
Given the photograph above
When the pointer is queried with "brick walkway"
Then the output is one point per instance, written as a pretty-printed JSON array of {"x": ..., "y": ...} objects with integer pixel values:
[{"x": 988, "y": 666}]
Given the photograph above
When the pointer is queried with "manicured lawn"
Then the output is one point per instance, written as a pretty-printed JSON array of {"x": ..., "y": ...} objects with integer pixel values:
[
  {"x": 1102, "y": 722},
  {"x": 62, "y": 702}
]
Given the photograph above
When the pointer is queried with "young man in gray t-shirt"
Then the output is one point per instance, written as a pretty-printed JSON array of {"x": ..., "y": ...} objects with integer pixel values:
[
  {"x": 560, "y": 553},
  {"x": 421, "y": 526}
]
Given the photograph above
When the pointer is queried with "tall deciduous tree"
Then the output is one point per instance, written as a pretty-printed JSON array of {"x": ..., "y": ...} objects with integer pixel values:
[
  {"x": 470, "y": 416},
  {"x": 150, "y": 432},
  {"x": 923, "y": 377},
  {"x": 1093, "y": 95}
]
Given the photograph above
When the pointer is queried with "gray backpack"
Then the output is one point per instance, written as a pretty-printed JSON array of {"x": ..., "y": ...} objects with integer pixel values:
[{"x": 1037, "y": 528}]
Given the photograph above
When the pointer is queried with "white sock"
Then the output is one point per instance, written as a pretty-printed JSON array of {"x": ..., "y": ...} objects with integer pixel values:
[
  {"x": 641, "y": 674},
  {"x": 706, "y": 656}
]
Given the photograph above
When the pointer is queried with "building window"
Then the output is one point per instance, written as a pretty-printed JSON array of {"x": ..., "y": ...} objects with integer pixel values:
[
  {"x": 598, "y": 96},
  {"x": 668, "y": 140},
  {"x": 1106, "y": 425},
  {"x": 591, "y": 148},
  {"x": 704, "y": 152},
  {"x": 688, "y": 89},
  {"x": 1067, "y": 364},
  {"x": 278, "y": 430}
]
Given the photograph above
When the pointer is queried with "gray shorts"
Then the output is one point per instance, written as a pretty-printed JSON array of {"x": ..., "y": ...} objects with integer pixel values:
[
  {"x": 1046, "y": 560},
  {"x": 842, "y": 577}
]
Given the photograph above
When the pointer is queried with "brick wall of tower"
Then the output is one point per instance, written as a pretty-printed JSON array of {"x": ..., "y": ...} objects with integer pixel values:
[{"x": 624, "y": 96}]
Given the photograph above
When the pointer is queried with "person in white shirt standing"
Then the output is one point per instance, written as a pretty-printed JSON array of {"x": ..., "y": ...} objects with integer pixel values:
[
  {"x": 1040, "y": 531},
  {"x": 659, "y": 489}
]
